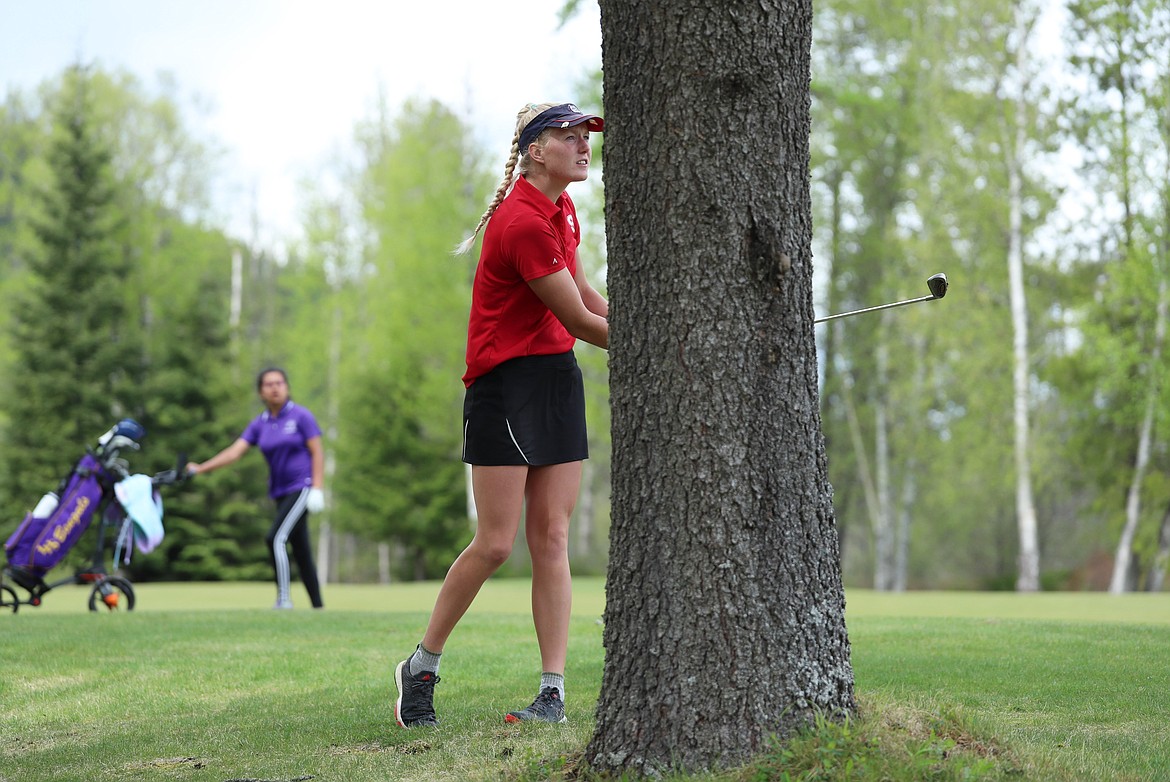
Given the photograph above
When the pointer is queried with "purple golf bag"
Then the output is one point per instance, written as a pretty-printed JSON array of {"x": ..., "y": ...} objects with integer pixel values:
[
  {"x": 39, "y": 543},
  {"x": 99, "y": 491}
]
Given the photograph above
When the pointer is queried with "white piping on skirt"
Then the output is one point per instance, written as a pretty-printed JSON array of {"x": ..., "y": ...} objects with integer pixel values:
[{"x": 518, "y": 448}]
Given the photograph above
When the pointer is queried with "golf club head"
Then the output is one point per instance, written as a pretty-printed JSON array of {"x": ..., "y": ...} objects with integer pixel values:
[{"x": 938, "y": 285}]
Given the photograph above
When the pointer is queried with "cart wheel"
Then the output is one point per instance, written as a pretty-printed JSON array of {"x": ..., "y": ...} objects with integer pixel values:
[
  {"x": 8, "y": 599},
  {"x": 112, "y": 593}
]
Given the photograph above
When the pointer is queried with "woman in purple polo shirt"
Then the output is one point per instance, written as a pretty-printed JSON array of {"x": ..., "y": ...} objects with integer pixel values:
[{"x": 290, "y": 440}]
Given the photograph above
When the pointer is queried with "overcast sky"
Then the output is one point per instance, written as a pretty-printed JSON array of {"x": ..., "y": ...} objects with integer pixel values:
[{"x": 284, "y": 81}]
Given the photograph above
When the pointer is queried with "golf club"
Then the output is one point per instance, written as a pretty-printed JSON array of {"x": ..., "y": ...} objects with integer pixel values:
[{"x": 937, "y": 283}]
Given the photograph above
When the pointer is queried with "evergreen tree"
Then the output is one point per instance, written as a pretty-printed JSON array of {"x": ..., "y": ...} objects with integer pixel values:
[
  {"x": 409, "y": 489},
  {"x": 21, "y": 149},
  {"x": 214, "y": 525},
  {"x": 97, "y": 263},
  {"x": 77, "y": 362},
  {"x": 399, "y": 477}
]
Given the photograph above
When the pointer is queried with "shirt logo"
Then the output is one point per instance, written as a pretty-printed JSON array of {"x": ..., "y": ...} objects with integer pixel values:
[
  {"x": 555, "y": 261},
  {"x": 569, "y": 220},
  {"x": 290, "y": 427}
]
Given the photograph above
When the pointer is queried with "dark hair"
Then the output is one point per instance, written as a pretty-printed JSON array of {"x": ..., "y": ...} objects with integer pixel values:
[{"x": 269, "y": 370}]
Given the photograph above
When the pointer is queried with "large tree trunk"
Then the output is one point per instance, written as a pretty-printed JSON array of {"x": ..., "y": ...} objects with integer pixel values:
[{"x": 725, "y": 615}]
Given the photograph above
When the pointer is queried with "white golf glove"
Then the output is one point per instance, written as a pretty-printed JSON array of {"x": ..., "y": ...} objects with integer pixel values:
[{"x": 316, "y": 501}]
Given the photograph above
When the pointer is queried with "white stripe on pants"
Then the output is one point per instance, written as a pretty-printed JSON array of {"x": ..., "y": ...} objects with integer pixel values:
[{"x": 280, "y": 546}]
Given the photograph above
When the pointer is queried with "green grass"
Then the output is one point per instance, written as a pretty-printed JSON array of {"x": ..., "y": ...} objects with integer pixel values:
[{"x": 204, "y": 682}]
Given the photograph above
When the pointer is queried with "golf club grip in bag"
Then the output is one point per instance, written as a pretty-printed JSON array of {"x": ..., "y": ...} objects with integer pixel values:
[{"x": 39, "y": 544}]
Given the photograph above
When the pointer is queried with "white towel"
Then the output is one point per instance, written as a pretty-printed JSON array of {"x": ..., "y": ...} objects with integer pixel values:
[{"x": 144, "y": 507}]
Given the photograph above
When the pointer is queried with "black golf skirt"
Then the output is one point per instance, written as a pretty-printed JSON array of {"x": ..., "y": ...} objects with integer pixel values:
[{"x": 530, "y": 410}]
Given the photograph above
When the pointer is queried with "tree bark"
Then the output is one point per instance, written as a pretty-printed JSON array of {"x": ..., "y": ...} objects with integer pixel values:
[{"x": 725, "y": 609}]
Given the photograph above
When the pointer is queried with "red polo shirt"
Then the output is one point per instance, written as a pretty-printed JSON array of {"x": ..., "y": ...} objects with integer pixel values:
[{"x": 527, "y": 237}]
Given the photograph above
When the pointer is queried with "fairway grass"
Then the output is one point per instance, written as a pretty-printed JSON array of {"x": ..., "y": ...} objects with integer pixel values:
[{"x": 204, "y": 682}]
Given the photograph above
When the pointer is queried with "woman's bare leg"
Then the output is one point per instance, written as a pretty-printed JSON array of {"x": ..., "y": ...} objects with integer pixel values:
[
  {"x": 551, "y": 493},
  {"x": 499, "y": 502}
]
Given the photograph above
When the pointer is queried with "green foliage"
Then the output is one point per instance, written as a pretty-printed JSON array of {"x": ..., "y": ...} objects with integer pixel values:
[
  {"x": 215, "y": 525},
  {"x": 21, "y": 174},
  {"x": 911, "y": 147},
  {"x": 368, "y": 315},
  {"x": 899, "y": 401},
  {"x": 1116, "y": 364},
  {"x": 77, "y": 350},
  {"x": 121, "y": 309},
  {"x": 399, "y": 476},
  {"x": 410, "y": 488}
]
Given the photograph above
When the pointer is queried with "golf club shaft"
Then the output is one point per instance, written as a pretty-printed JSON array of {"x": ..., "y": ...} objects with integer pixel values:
[{"x": 873, "y": 309}]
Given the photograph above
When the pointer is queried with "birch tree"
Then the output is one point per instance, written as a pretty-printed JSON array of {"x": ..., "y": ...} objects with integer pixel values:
[
  {"x": 874, "y": 105},
  {"x": 1116, "y": 45},
  {"x": 1015, "y": 132}
]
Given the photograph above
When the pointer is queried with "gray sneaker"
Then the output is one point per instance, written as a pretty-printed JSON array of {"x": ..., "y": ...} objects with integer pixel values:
[
  {"x": 548, "y": 707},
  {"x": 415, "y": 707}
]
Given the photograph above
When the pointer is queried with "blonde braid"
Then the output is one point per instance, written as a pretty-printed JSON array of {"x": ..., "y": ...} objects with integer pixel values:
[{"x": 523, "y": 117}]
